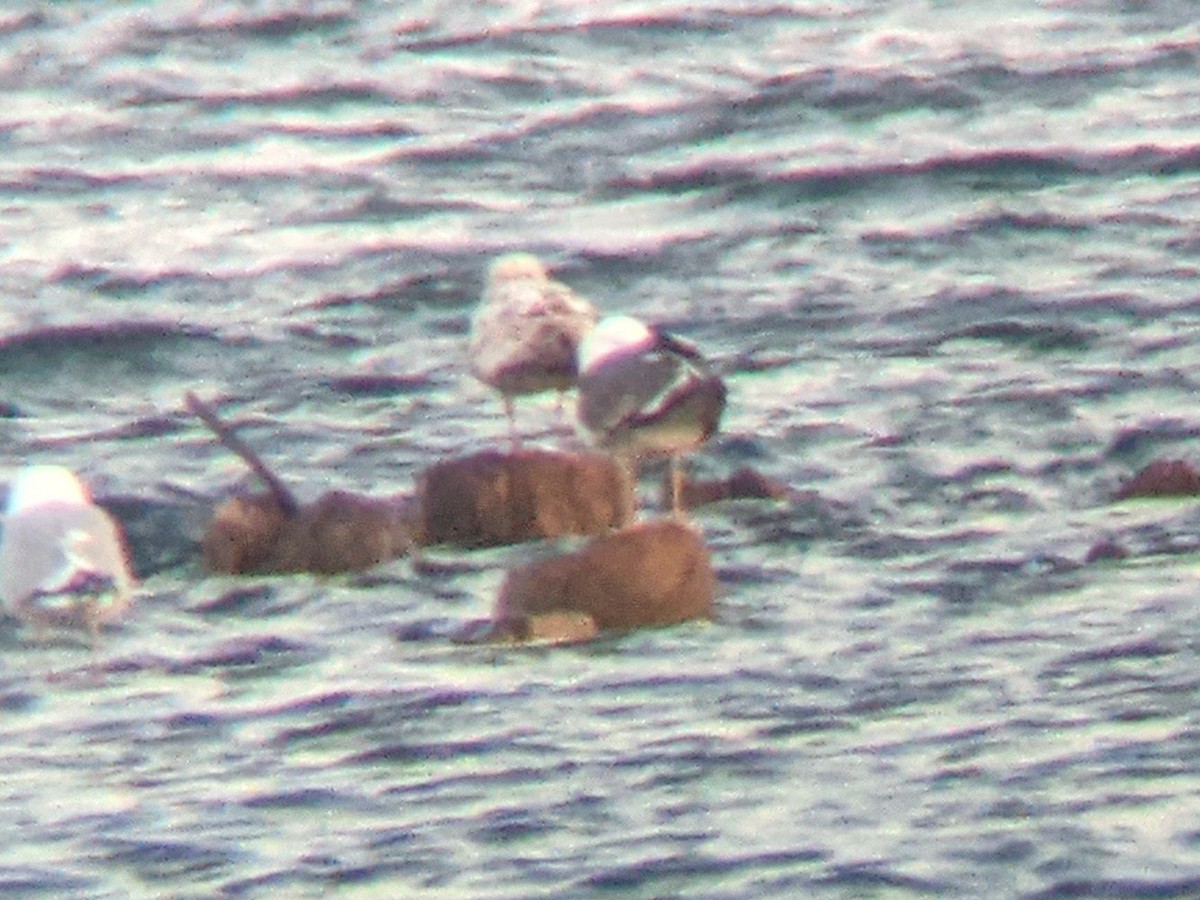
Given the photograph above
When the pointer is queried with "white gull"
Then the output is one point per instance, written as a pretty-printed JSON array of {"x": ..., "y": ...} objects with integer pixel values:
[{"x": 62, "y": 558}]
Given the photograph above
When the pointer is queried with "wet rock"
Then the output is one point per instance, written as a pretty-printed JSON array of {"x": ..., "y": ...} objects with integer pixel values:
[
  {"x": 491, "y": 498},
  {"x": 653, "y": 573},
  {"x": 1162, "y": 478},
  {"x": 487, "y": 499},
  {"x": 1106, "y": 549},
  {"x": 341, "y": 532},
  {"x": 157, "y": 529},
  {"x": 242, "y": 534},
  {"x": 745, "y": 483}
]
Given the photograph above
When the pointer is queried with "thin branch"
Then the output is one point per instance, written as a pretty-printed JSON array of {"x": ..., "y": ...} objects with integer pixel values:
[{"x": 207, "y": 415}]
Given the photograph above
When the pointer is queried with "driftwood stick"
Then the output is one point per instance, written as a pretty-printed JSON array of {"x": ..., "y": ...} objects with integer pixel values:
[{"x": 207, "y": 415}]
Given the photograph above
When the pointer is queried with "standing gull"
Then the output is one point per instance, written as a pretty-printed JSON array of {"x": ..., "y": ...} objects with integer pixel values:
[
  {"x": 62, "y": 558},
  {"x": 526, "y": 331},
  {"x": 642, "y": 391}
]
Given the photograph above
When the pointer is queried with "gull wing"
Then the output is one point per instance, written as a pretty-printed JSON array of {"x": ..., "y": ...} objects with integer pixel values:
[
  {"x": 631, "y": 391},
  {"x": 56, "y": 551}
]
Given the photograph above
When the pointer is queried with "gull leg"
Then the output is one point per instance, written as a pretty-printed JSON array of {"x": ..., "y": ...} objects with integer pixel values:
[
  {"x": 514, "y": 439},
  {"x": 93, "y": 625},
  {"x": 560, "y": 413},
  {"x": 628, "y": 467},
  {"x": 677, "y": 510},
  {"x": 416, "y": 556}
]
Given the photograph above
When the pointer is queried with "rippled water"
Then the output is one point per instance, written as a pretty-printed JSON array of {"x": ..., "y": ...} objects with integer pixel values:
[{"x": 945, "y": 255}]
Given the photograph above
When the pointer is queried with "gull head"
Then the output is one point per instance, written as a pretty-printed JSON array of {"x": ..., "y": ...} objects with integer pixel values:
[
  {"x": 517, "y": 267},
  {"x": 614, "y": 337},
  {"x": 45, "y": 485}
]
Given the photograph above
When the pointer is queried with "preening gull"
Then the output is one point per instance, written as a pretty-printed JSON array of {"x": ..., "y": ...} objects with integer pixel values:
[
  {"x": 526, "y": 331},
  {"x": 642, "y": 391},
  {"x": 62, "y": 558}
]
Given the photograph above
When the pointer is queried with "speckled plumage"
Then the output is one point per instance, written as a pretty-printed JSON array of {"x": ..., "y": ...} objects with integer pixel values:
[{"x": 526, "y": 330}]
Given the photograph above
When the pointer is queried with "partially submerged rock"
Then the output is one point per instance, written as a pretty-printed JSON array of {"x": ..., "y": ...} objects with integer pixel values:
[
  {"x": 1162, "y": 478},
  {"x": 1106, "y": 550},
  {"x": 745, "y": 483},
  {"x": 242, "y": 534},
  {"x": 652, "y": 573},
  {"x": 341, "y": 532},
  {"x": 482, "y": 500},
  {"x": 344, "y": 532},
  {"x": 490, "y": 499}
]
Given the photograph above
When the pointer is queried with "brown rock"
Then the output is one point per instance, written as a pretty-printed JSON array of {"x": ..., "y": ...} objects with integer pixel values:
[
  {"x": 1106, "y": 549},
  {"x": 492, "y": 498},
  {"x": 653, "y": 573},
  {"x": 342, "y": 532},
  {"x": 487, "y": 499},
  {"x": 1162, "y": 478},
  {"x": 745, "y": 483},
  {"x": 242, "y": 534}
]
